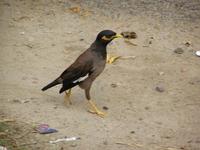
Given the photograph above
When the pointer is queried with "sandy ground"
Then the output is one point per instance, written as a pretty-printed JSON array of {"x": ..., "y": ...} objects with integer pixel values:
[{"x": 39, "y": 39}]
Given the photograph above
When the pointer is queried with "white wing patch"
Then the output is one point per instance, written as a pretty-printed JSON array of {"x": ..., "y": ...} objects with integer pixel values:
[{"x": 81, "y": 78}]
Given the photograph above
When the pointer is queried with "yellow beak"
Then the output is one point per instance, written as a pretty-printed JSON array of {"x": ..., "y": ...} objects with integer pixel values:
[{"x": 118, "y": 36}]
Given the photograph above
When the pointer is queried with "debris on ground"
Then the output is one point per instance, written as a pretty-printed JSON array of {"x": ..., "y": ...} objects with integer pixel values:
[
  {"x": 197, "y": 53},
  {"x": 80, "y": 11},
  {"x": 45, "y": 129},
  {"x": 20, "y": 101},
  {"x": 75, "y": 9},
  {"x": 131, "y": 145},
  {"x": 130, "y": 42},
  {"x": 148, "y": 41},
  {"x": 188, "y": 43},
  {"x": 29, "y": 45},
  {"x": 7, "y": 120},
  {"x": 132, "y": 132},
  {"x": 3, "y": 148},
  {"x": 160, "y": 89},
  {"x": 161, "y": 73},
  {"x": 105, "y": 108},
  {"x": 129, "y": 35},
  {"x": 112, "y": 59},
  {"x": 179, "y": 51},
  {"x": 22, "y": 18},
  {"x": 65, "y": 139},
  {"x": 113, "y": 85}
]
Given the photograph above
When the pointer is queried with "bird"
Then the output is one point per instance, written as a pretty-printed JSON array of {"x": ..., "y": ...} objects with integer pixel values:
[{"x": 86, "y": 68}]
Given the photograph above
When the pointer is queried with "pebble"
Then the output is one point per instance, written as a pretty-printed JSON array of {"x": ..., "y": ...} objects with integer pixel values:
[
  {"x": 113, "y": 85},
  {"x": 129, "y": 35},
  {"x": 132, "y": 132},
  {"x": 160, "y": 89},
  {"x": 73, "y": 145},
  {"x": 105, "y": 142},
  {"x": 22, "y": 33},
  {"x": 198, "y": 53},
  {"x": 179, "y": 51},
  {"x": 187, "y": 44},
  {"x": 161, "y": 73},
  {"x": 105, "y": 108}
]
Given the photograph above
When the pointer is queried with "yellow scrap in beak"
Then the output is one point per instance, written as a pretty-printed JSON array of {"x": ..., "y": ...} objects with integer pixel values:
[
  {"x": 118, "y": 36},
  {"x": 113, "y": 37}
]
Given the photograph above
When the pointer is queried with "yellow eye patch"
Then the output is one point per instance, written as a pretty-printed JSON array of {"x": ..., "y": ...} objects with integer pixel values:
[{"x": 107, "y": 39}]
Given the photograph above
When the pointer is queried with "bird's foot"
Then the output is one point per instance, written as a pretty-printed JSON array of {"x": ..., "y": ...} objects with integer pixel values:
[
  {"x": 67, "y": 97},
  {"x": 95, "y": 110},
  {"x": 99, "y": 113},
  {"x": 111, "y": 59}
]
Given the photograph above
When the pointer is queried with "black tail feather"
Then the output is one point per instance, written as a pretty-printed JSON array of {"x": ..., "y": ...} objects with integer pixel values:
[
  {"x": 55, "y": 82},
  {"x": 67, "y": 85}
]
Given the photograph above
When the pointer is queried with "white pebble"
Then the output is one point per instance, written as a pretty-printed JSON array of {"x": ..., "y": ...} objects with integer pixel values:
[{"x": 198, "y": 53}]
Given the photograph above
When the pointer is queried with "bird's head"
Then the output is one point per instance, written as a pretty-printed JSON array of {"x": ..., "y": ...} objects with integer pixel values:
[{"x": 106, "y": 36}]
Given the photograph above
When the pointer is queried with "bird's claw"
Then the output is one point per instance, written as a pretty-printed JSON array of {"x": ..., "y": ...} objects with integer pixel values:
[
  {"x": 112, "y": 59},
  {"x": 68, "y": 100},
  {"x": 99, "y": 113},
  {"x": 67, "y": 97}
]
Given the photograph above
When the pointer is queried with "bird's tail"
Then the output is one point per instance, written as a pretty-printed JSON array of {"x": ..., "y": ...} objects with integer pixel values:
[{"x": 55, "y": 82}]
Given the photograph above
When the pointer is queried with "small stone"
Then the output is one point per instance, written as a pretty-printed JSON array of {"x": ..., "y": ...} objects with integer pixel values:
[
  {"x": 105, "y": 108},
  {"x": 187, "y": 44},
  {"x": 105, "y": 142},
  {"x": 183, "y": 148},
  {"x": 73, "y": 145},
  {"x": 16, "y": 101},
  {"x": 81, "y": 39},
  {"x": 179, "y": 51},
  {"x": 25, "y": 101},
  {"x": 129, "y": 35},
  {"x": 132, "y": 132},
  {"x": 22, "y": 33},
  {"x": 61, "y": 148},
  {"x": 140, "y": 119},
  {"x": 190, "y": 141},
  {"x": 160, "y": 89},
  {"x": 197, "y": 53},
  {"x": 6, "y": 4},
  {"x": 146, "y": 108},
  {"x": 161, "y": 73},
  {"x": 113, "y": 85},
  {"x": 29, "y": 45},
  {"x": 166, "y": 137},
  {"x": 191, "y": 82}
]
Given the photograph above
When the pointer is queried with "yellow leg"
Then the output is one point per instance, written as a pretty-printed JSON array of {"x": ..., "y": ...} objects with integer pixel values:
[
  {"x": 111, "y": 59},
  {"x": 95, "y": 110},
  {"x": 67, "y": 96}
]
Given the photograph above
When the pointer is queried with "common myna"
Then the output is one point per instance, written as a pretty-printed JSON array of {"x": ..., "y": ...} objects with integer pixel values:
[{"x": 86, "y": 68}]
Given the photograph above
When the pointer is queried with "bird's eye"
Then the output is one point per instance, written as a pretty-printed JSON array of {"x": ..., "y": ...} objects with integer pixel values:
[{"x": 107, "y": 38}]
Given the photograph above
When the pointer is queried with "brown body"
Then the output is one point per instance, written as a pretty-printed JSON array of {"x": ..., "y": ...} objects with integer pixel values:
[{"x": 86, "y": 68}]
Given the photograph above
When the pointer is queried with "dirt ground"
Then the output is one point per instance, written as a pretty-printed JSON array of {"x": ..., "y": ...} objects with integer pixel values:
[{"x": 39, "y": 39}]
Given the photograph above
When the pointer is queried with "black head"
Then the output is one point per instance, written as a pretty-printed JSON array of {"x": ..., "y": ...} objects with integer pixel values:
[{"x": 106, "y": 36}]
